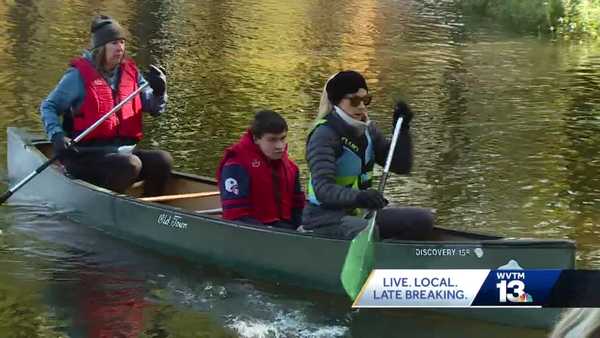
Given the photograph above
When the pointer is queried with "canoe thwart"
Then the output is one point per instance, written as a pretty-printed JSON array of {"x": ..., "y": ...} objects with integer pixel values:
[
  {"x": 210, "y": 211},
  {"x": 179, "y": 196}
]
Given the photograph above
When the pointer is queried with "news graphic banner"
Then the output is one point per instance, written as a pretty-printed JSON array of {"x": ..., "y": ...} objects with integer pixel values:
[{"x": 390, "y": 288}]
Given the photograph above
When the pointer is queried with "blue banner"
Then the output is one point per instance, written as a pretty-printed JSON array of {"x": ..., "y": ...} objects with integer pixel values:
[
  {"x": 516, "y": 288},
  {"x": 508, "y": 287}
]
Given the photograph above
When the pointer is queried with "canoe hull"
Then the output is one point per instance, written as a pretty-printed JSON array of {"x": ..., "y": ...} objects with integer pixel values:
[{"x": 276, "y": 255}]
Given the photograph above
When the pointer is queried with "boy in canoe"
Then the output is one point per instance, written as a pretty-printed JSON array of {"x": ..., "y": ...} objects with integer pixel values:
[
  {"x": 92, "y": 85},
  {"x": 341, "y": 151},
  {"x": 259, "y": 183}
]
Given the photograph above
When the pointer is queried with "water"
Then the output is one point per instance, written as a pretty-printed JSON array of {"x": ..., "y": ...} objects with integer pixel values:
[{"x": 506, "y": 140}]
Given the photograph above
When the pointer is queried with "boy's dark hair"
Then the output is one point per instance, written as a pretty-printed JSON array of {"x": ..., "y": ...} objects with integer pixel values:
[{"x": 268, "y": 122}]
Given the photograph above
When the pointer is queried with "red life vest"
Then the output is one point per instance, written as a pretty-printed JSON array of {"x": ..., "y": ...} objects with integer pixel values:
[
  {"x": 99, "y": 100},
  {"x": 264, "y": 202}
]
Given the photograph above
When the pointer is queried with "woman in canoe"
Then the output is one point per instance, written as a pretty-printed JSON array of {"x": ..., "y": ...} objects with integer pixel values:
[
  {"x": 341, "y": 151},
  {"x": 92, "y": 85},
  {"x": 259, "y": 183}
]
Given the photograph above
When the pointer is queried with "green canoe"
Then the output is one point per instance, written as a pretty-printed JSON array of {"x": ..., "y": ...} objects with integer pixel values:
[{"x": 187, "y": 223}]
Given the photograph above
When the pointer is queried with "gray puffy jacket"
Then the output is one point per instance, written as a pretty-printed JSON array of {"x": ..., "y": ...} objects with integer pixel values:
[{"x": 322, "y": 146}]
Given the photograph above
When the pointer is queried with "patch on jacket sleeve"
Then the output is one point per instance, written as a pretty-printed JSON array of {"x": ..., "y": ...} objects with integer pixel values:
[{"x": 235, "y": 182}]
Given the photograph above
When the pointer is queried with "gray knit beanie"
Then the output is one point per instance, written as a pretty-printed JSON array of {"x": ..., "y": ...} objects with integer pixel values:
[{"x": 105, "y": 29}]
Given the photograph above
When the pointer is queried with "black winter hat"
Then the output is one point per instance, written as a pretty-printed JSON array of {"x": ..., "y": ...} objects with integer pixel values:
[
  {"x": 344, "y": 83},
  {"x": 105, "y": 29}
]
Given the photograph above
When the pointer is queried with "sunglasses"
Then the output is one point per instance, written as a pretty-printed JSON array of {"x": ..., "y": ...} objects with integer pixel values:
[{"x": 355, "y": 100}]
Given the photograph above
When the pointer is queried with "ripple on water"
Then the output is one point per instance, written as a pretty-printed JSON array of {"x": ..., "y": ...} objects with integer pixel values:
[
  {"x": 249, "y": 311},
  {"x": 283, "y": 324}
]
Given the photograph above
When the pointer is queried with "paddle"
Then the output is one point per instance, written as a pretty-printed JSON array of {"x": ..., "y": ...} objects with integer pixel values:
[
  {"x": 73, "y": 142},
  {"x": 360, "y": 258}
]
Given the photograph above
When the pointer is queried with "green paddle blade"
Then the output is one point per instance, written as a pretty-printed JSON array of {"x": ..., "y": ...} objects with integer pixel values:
[{"x": 360, "y": 260}]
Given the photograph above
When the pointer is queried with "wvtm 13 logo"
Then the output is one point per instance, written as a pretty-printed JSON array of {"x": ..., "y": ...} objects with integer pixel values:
[{"x": 511, "y": 287}]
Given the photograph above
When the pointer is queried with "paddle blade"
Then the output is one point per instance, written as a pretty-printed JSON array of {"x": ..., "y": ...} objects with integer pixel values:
[{"x": 360, "y": 260}]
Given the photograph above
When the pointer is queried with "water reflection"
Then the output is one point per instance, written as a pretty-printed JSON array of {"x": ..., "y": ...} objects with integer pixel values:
[
  {"x": 107, "y": 304},
  {"x": 581, "y": 196},
  {"x": 96, "y": 286}
]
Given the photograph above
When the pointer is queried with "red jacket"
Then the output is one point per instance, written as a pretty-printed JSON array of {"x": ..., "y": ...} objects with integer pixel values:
[
  {"x": 248, "y": 187},
  {"x": 99, "y": 100}
]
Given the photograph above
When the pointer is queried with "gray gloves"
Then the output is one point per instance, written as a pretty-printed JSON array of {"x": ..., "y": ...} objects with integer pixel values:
[
  {"x": 60, "y": 145},
  {"x": 401, "y": 109}
]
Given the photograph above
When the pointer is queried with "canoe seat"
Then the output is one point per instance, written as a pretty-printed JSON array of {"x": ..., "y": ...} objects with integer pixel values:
[{"x": 165, "y": 198}]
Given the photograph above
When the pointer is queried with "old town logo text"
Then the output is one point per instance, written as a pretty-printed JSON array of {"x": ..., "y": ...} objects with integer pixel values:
[{"x": 172, "y": 221}]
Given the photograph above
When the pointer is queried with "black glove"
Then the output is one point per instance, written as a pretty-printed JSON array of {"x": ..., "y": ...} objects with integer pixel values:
[
  {"x": 401, "y": 109},
  {"x": 157, "y": 79},
  {"x": 371, "y": 199},
  {"x": 60, "y": 144}
]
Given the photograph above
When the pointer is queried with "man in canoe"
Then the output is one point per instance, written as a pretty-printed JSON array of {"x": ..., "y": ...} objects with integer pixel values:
[
  {"x": 92, "y": 85},
  {"x": 341, "y": 151},
  {"x": 259, "y": 183}
]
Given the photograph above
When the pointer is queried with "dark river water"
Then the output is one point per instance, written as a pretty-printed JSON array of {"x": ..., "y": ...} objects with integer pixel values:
[{"x": 506, "y": 133}]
